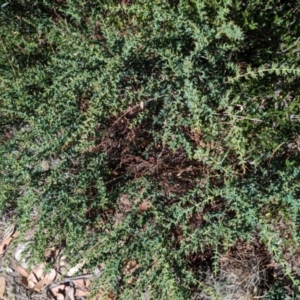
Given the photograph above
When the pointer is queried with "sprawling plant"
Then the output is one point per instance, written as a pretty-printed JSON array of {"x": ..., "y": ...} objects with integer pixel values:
[{"x": 152, "y": 134}]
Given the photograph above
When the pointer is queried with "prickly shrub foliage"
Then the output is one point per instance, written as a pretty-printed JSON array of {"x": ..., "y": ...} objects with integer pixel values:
[{"x": 149, "y": 136}]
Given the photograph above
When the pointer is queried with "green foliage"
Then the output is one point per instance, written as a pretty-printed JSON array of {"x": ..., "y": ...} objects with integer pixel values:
[{"x": 191, "y": 107}]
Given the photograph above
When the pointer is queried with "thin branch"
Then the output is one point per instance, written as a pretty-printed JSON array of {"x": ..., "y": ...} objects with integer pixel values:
[
  {"x": 70, "y": 280},
  {"x": 276, "y": 149},
  {"x": 132, "y": 108},
  {"x": 239, "y": 117},
  {"x": 12, "y": 67}
]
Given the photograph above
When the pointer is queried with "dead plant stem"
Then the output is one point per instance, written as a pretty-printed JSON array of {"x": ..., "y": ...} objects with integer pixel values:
[
  {"x": 239, "y": 117},
  {"x": 132, "y": 108}
]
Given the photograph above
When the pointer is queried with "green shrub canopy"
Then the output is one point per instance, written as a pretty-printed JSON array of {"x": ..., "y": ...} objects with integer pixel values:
[{"x": 159, "y": 132}]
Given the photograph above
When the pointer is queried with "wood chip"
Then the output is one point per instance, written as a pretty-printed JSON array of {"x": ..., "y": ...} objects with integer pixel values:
[
  {"x": 57, "y": 290},
  {"x": 2, "y": 287},
  {"x": 39, "y": 271},
  {"x": 16, "y": 234},
  {"x": 80, "y": 293},
  {"x": 32, "y": 280},
  {"x": 70, "y": 293},
  {"x": 60, "y": 297},
  {"x": 47, "y": 280},
  {"x": 24, "y": 281},
  {"x": 80, "y": 283},
  {"x": 81, "y": 287},
  {"x": 21, "y": 271},
  {"x": 4, "y": 245}
]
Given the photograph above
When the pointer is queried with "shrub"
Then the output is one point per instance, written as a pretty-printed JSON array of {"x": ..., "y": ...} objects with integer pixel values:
[{"x": 151, "y": 133}]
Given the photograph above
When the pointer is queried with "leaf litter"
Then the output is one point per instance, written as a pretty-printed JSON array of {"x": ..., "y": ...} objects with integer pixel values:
[{"x": 40, "y": 280}]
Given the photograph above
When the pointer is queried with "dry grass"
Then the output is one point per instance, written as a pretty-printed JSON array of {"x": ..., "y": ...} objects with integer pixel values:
[{"x": 245, "y": 274}]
